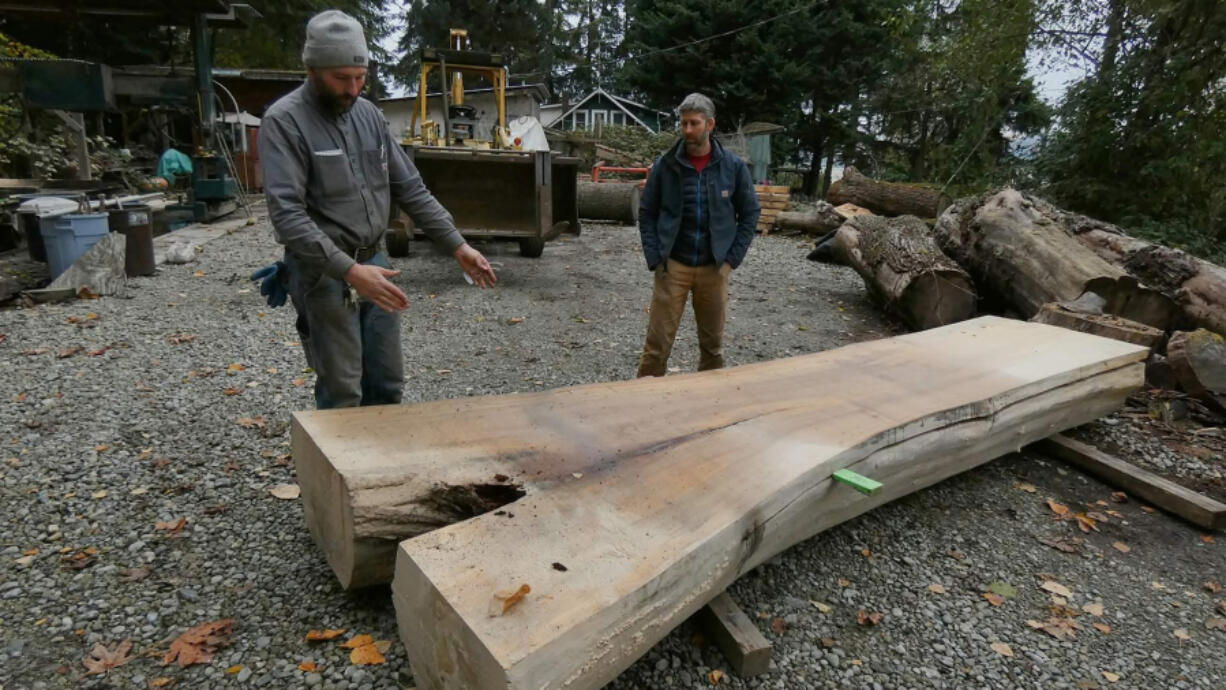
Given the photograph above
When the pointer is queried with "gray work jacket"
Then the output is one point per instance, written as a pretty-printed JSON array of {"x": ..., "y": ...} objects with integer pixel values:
[{"x": 330, "y": 182}]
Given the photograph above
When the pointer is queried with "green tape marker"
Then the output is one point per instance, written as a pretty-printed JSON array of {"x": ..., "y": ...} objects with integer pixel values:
[{"x": 858, "y": 482}]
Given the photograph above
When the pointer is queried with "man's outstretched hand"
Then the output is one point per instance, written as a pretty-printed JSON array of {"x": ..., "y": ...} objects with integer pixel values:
[
  {"x": 372, "y": 283},
  {"x": 475, "y": 266}
]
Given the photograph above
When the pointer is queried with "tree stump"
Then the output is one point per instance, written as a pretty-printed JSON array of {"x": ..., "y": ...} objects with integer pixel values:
[
  {"x": 905, "y": 270},
  {"x": 1198, "y": 361}
]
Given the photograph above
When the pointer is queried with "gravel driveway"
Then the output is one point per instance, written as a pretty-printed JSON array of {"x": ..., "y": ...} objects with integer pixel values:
[{"x": 107, "y": 447}]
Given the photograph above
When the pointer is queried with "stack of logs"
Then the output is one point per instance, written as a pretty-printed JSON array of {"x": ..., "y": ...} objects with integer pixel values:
[
  {"x": 774, "y": 200},
  {"x": 1013, "y": 253}
]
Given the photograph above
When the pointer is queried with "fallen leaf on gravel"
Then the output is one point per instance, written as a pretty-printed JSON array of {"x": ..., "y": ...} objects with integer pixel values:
[
  {"x": 1057, "y": 627},
  {"x": 172, "y": 526},
  {"x": 237, "y": 668},
  {"x": 504, "y": 600},
  {"x": 287, "y": 492},
  {"x": 1119, "y": 497},
  {"x": 298, "y": 382},
  {"x": 715, "y": 677},
  {"x": 820, "y": 606},
  {"x": 365, "y": 654},
  {"x": 994, "y": 599},
  {"x": 865, "y": 618},
  {"x": 235, "y": 368},
  {"x": 79, "y": 559},
  {"x": 956, "y": 554},
  {"x": 1093, "y": 609},
  {"x": 198, "y": 274},
  {"x": 99, "y": 494},
  {"x": 323, "y": 635},
  {"x": 1121, "y": 547},
  {"x": 160, "y": 682},
  {"x": 1213, "y": 587},
  {"x": 1111, "y": 677},
  {"x": 1061, "y": 510},
  {"x": 1065, "y": 544},
  {"x": 216, "y": 509},
  {"x": 1206, "y": 538},
  {"x": 100, "y": 351},
  {"x": 1024, "y": 486},
  {"x": 866, "y": 553},
  {"x": 180, "y": 338},
  {"x": 233, "y": 391},
  {"x": 67, "y": 352},
  {"x": 936, "y": 589},
  {"x": 30, "y": 552},
  {"x": 1215, "y": 623},
  {"x": 24, "y": 561},
  {"x": 135, "y": 574},
  {"x": 1157, "y": 585},
  {"x": 1004, "y": 589},
  {"x": 251, "y": 422},
  {"x": 1182, "y": 635},
  {"x": 1086, "y": 523},
  {"x": 1147, "y": 509},
  {"x": 1056, "y": 588},
  {"x": 1002, "y": 649},
  {"x": 515, "y": 319},
  {"x": 1221, "y": 606},
  {"x": 101, "y": 659},
  {"x": 383, "y": 645},
  {"x": 778, "y": 626},
  {"x": 1102, "y": 628},
  {"x": 1097, "y": 517},
  {"x": 1177, "y": 604},
  {"x": 844, "y": 582},
  {"x": 197, "y": 645},
  {"x": 308, "y": 666}
]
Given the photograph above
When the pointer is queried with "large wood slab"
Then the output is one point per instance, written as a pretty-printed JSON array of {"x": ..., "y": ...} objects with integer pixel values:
[{"x": 656, "y": 494}]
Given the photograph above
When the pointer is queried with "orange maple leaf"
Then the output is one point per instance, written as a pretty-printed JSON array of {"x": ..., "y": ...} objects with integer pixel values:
[
  {"x": 196, "y": 646},
  {"x": 320, "y": 635},
  {"x": 101, "y": 659}
]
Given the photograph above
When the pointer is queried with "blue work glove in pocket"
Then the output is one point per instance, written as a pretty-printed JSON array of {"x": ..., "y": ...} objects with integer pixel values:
[{"x": 272, "y": 279}]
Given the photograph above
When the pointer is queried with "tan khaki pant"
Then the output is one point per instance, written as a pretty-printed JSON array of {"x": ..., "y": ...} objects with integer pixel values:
[{"x": 675, "y": 282}]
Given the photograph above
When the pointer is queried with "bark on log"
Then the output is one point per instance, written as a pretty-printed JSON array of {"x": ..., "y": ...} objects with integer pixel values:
[
  {"x": 1105, "y": 325},
  {"x": 1019, "y": 251},
  {"x": 1196, "y": 285},
  {"x": 616, "y": 201},
  {"x": 1198, "y": 361},
  {"x": 647, "y": 537},
  {"x": 887, "y": 198},
  {"x": 905, "y": 270},
  {"x": 816, "y": 222}
]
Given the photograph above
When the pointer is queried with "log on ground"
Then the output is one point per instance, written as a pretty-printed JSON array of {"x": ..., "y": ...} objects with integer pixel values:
[
  {"x": 617, "y": 201},
  {"x": 905, "y": 270},
  {"x": 1022, "y": 255},
  {"x": 645, "y": 499},
  {"x": 1196, "y": 285},
  {"x": 887, "y": 198},
  {"x": 819, "y": 221},
  {"x": 1198, "y": 362}
]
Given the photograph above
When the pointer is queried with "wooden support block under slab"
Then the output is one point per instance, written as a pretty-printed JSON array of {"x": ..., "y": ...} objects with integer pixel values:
[
  {"x": 1171, "y": 497},
  {"x": 725, "y": 624}
]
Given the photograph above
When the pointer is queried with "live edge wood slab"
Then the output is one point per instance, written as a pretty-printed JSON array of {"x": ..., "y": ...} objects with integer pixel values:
[{"x": 627, "y": 506}]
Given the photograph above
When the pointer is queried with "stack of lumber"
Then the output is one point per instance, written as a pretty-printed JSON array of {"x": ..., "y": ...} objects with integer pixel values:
[
  {"x": 614, "y": 511},
  {"x": 773, "y": 199}
]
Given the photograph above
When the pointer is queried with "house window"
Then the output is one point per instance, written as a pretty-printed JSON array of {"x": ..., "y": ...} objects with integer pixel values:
[
  {"x": 617, "y": 118},
  {"x": 599, "y": 117},
  {"x": 580, "y": 120}
]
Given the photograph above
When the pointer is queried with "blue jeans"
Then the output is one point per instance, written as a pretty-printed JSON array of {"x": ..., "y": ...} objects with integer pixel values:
[{"x": 355, "y": 351}]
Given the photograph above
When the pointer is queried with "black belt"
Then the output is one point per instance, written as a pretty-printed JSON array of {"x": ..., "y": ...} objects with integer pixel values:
[{"x": 364, "y": 254}]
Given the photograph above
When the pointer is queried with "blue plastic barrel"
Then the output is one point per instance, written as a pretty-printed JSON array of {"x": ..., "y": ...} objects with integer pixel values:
[{"x": 70, "y": 237}]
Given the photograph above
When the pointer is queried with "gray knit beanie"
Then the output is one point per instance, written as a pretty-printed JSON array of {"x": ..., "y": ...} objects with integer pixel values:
[{"x": 334, "y": 39}]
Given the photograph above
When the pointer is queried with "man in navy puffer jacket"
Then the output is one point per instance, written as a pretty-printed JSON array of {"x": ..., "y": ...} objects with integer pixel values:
[{"x": 697, "y": 216}]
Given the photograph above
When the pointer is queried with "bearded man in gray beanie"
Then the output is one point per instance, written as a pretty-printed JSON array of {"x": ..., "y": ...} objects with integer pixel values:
[{"x": 332, "y": 170}]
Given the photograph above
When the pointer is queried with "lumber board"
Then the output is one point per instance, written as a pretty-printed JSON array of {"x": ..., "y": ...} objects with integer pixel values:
[
  {"x": 747, "y": 650},
  {"x": 655, "y": 494},
  {"x": 772, "y": 188},
  {"x": 1137, "y": 482}
]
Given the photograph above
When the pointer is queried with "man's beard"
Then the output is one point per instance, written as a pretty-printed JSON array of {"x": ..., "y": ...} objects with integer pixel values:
[{"x": 337, "y": 104}]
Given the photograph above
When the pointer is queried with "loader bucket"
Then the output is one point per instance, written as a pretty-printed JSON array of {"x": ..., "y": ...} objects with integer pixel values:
[{"x": 529, "y": 196}]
